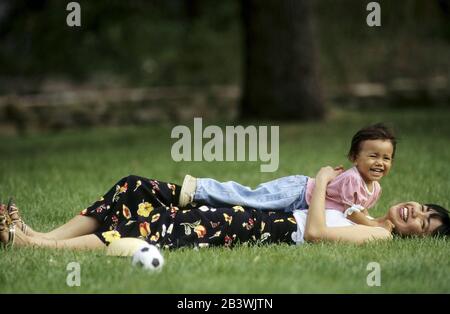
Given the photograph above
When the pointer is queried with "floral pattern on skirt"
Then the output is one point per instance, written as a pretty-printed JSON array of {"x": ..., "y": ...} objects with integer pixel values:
[{"x": 147, "y": 209}]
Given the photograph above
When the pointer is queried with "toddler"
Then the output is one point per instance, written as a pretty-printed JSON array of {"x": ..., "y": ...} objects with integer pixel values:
[{"x": 353, "y": 192}]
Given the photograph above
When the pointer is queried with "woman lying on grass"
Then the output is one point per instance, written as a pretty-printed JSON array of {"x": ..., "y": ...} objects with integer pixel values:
[{"x": 143, "y": 208}]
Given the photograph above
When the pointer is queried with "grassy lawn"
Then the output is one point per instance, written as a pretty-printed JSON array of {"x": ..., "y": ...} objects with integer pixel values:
[{"x": 54, "y": 176}]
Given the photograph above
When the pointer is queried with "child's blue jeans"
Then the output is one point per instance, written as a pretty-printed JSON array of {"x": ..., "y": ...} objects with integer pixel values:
[{"x": 287, "y": 193}]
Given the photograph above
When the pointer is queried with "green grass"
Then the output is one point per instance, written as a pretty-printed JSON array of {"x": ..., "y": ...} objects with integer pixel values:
[{"x": 54, "y": 176}]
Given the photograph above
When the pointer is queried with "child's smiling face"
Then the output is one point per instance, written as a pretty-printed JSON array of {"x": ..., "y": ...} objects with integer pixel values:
[{"x": 374, "y": 159}]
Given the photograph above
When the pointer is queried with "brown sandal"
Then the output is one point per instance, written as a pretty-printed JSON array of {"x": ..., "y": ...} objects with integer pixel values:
[
  {"x": 11, "y": 228},
  {"x": 12, "y": 210}
]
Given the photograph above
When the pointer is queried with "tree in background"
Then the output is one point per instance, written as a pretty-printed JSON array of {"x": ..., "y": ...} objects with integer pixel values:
[{"x": 280, "y": 74}]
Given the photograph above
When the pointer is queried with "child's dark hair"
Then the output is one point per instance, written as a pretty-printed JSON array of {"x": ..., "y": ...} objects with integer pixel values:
[
  {"x": 443, "y": 215},
  {"x": 373, "y": 132}
]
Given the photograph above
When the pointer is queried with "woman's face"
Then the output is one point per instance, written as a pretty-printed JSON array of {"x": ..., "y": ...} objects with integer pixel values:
[{"x": 412, "y": 218}]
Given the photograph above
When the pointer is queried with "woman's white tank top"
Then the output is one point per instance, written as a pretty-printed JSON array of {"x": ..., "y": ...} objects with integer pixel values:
[{"x": 334, "y": 218}]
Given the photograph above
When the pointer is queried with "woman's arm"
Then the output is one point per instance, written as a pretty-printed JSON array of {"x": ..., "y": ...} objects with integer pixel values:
[{"x": 316, "y": 228}]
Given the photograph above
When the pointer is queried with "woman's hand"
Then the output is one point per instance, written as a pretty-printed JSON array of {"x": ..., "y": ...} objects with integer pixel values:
[{"x": 326, "y": 174}]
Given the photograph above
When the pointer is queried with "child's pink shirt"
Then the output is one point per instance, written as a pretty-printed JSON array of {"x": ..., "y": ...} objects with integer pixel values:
[{"x": 347, "y": 191}]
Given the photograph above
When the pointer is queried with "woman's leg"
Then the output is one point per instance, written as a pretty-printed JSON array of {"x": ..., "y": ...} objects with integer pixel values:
[
  {"x": 85, "y": 242},
  {"x": 129, "y": 192},
  {"x": 76, "y": 227}
]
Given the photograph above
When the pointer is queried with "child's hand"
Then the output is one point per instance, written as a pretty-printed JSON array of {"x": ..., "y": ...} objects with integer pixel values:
[
  {"x": 328, "y": 173},
  {"x": 339, "y": 168}
]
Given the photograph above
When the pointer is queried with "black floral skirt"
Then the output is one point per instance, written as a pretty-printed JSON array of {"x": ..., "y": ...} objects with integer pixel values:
[{"x": 147, "y": 209}]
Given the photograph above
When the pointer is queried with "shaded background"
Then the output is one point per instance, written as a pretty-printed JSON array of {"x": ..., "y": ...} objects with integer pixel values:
[
  {"x": 137, "y": 62},
  {"x": 147, "y": 65}
]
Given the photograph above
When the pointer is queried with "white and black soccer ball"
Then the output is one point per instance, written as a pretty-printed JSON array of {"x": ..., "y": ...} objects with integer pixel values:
[{"x": 149, "y": 257}]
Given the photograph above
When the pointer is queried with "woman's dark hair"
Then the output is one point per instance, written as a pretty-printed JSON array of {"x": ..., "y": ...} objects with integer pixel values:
[
  {"x": 443, "y": 215},
  {"x": 373, "y": 132}
]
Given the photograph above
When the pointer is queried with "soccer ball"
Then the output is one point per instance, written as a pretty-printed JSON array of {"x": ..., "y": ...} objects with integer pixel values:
[{"x": 148, "y": 257}]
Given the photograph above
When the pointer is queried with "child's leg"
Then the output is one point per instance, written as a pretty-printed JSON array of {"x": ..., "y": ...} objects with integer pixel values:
[{"x": 277, "y": 194}]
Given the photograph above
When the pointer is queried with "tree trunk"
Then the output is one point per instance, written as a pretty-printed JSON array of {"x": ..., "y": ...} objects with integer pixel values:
[{"x": 280, "y": 73}]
